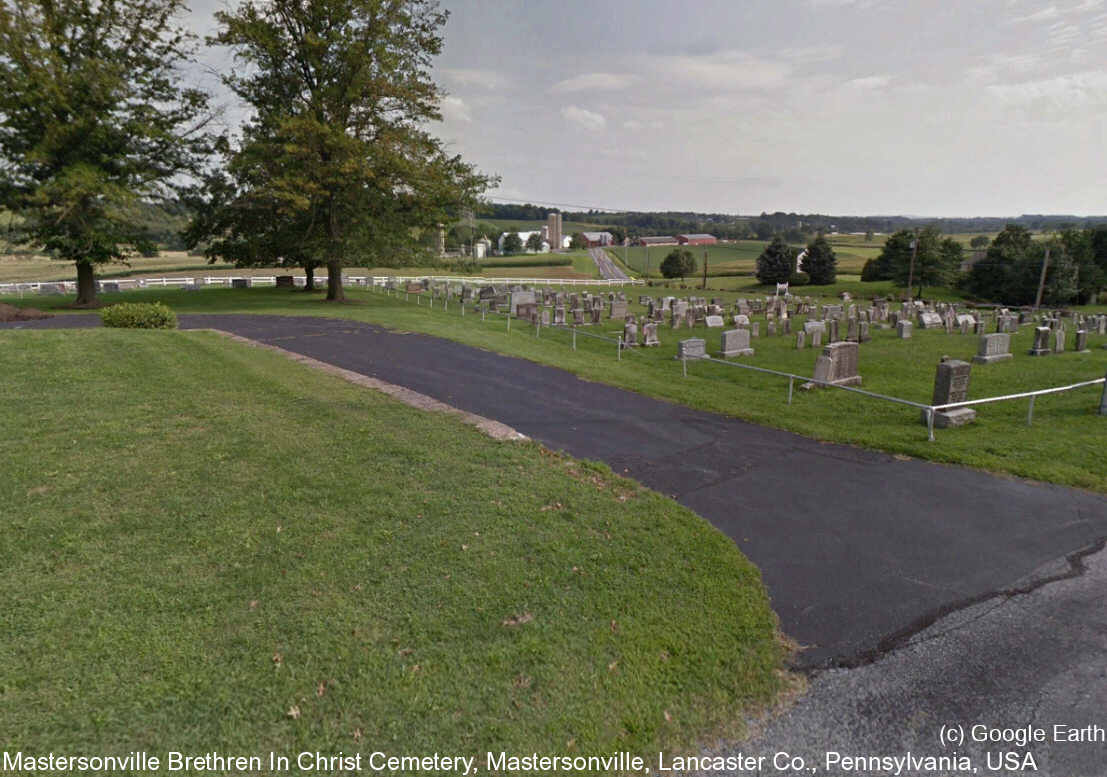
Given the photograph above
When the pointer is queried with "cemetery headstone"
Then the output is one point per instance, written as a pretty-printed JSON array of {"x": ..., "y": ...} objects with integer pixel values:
[
  {"x": 649, "y": 333},
  {"x": 714, "y": 322},
  {"x": 630, "y": 334},
  {"x": 692, "y": 348},
  {"x": 903, "y": 329},
  {"x": 951, "y": 384},
  {"x": 1082, "y": 341},
  {"x": 1041, "y": 342},
  {"x": 736, "y": 342},
  {"x": 837, "y": 365},
  {"x": 995, "y": 347}
]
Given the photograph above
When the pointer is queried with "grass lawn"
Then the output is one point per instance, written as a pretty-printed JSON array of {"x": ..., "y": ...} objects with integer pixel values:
[
  {"x": 210, "y": 547},
  {"x": 1063, "y": 446}
]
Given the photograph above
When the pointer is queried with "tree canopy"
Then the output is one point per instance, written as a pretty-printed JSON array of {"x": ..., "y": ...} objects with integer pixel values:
[
  {"x": 513, "y": 244},
  {"x": 820, "y": 263},
  {"x": 935, "y": 264},
  {"x": 1010, "y": 270},
  {"x": 336, "y": 147},
  {"x": 94, "y": 123},
  {"x": 678, "y": 264},
  {"x": 776, "y": 262}
]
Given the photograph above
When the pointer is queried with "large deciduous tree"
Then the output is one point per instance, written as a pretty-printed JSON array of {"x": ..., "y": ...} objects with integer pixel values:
[
  {"x": 337, "y": 146},
  {"x": 679, "y": 263},
  {"x": 934, "y": 263},
  {"x": 94, "y": 123}
]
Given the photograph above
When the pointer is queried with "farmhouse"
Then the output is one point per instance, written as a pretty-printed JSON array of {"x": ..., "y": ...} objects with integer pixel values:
[
  {"x": 594, "y": 239},
  {"x": 697, "y": 240},
  {"x": 657, "y": 240}
]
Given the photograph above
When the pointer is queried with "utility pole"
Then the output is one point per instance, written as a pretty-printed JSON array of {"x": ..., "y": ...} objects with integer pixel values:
[
  {"x": 647, "y": 260},
  {"x": 704, "y": 269},
  {"x": 1041, "y": 281},
  {"x": 911, "y": 269}
]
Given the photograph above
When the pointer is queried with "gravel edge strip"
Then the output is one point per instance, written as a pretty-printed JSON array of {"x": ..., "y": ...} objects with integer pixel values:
[{"x": 493, "y": 429}]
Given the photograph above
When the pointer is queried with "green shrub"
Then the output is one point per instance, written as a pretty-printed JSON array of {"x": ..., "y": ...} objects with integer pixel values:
[
  {"x": 139, "y": 315},
  {"x": 799, "y": 279}
]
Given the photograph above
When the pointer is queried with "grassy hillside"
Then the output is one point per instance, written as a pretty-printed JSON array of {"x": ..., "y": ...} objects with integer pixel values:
[{"x": 208, "y": 547}]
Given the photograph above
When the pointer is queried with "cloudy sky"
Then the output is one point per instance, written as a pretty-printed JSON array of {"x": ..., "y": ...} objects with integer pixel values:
[{"x": 992, "y": 107}]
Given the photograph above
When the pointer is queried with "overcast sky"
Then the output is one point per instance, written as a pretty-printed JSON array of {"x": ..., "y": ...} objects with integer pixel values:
[{"x": 921, "y": 107}]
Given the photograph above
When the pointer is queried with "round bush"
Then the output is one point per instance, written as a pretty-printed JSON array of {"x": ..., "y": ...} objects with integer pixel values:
[
  {"x": 799, "y": 279},
  {"x": 139, "y": 315}
]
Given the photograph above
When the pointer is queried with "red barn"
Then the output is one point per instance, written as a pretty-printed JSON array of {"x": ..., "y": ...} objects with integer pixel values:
[{"x": 697, "y": 240}]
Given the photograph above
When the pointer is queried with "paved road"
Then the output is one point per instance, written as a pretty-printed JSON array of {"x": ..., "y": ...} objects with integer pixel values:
[
  {"x": 607, "y": 268},
  {"x": 1037, "y": 659},
  {"x": 858, "y": 550}
]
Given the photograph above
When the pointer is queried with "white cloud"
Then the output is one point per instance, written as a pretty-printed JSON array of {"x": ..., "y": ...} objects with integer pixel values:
[
  {"x": 809, "y": 55},
  {"x": 478, "y": 77},
  {"x": 594, "y": 82},
  {"x": 1060, "y": 93},
  {"x": 869, "y": 82},
  {"x": 1044, "y": 15},
  {"x": 455, "y": 109},
  {"x": 593, "y": 122},
  {"x": 725, "y": 70}
]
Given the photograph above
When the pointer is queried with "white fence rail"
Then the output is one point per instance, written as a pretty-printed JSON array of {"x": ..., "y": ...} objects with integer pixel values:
[{"x": 126, "y": 284}]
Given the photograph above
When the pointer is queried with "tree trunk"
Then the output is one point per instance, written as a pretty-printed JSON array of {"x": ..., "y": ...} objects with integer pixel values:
[
  {"x": 309, "y": 277},
  {"x": 86, "y": 285},
  {"x": 334, "y": 282}
]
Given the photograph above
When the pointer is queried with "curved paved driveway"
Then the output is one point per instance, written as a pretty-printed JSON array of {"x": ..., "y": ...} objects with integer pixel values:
[{"x": 858, "y": 549}]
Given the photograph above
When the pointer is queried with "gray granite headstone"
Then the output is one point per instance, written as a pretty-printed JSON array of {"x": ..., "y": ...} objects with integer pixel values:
[
  {"x": 1082, "y": 341},
  {"x": 951, "y": 384},
  {"x": 692, "y": 348},
  {"x": 1041, "y": 341},
  {"x": 904, "y": 329},
  {"x": 714, "y": 322},
  {"x": 736, "y": 342},
  {"x": 995, "y": 347},
  {"x": 837, "y": 365}
]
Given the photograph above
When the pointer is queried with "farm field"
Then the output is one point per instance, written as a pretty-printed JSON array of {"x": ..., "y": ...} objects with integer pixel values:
[
  {"x": 740, "y": 256},
  {"x": 189, "y": 568},
  {"x": 1060, "y": 447}
]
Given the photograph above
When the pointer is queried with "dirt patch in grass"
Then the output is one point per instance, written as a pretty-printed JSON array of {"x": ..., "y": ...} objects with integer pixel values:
[{"x": 12, "y": 313}]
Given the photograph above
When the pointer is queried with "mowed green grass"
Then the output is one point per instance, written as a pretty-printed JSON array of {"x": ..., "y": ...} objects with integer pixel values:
[{"x": 210, "y": 547}]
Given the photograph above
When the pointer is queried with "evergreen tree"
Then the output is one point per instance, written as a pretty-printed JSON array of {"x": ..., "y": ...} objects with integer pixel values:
[
  {"x": 820, "y": 263},
  {"x": 776, "y": 262}
]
